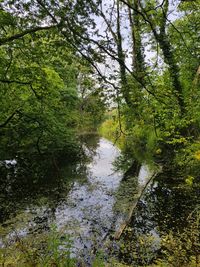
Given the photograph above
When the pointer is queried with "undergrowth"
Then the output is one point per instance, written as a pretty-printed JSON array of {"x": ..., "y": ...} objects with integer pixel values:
[{"x": 181, "y": 249}]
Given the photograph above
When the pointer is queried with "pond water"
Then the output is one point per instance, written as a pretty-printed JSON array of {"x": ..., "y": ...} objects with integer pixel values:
[
  {"x": 87, "y": 211},
  {"x": 89, "y": 200},
  {"x": 79, "y": 204}
]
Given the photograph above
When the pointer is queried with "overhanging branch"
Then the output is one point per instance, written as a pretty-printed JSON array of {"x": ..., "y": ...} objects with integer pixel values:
[
  {"x": 8, "y": 119},
  {"x": 25, "y": 32}
]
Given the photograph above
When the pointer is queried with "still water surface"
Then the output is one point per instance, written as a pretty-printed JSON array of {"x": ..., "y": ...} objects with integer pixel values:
[
  {"x": 82, "y": 207},
  {"x": 87, "y": 211},
  {"x": 89, "y": 200}
]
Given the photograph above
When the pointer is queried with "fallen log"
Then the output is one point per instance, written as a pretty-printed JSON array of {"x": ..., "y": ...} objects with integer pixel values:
[{"x": 133, "y": 208}]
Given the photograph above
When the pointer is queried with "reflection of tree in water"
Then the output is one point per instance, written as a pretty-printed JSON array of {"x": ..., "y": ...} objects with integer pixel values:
[
  {"x": 39, "y": 181},
  {"x": 90, "y": 143},
  {"x": 165, "y": 207},
  {"x": 26, "y": 183},
  {"x": 168, "y": 204}
]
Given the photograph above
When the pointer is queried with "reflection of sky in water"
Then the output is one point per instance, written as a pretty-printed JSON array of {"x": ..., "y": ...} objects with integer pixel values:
[
  {"x": 84, "y": 212},
  {"x": 87, "y": 212},
  {"x": 144, "y": 175}
]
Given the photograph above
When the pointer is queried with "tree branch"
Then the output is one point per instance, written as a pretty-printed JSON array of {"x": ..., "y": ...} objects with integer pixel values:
[
  {"x": 21, "y": 83},
  {"x": 14, "y": 81},
  {"x": 8, "y": 119},
  {"x": 25, "y": 32}
]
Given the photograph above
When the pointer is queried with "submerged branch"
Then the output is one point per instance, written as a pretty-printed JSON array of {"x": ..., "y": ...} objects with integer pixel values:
[{"x": 133, "y": 208}]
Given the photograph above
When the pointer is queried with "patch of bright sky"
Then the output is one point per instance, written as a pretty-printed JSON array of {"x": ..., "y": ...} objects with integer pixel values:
[{"x": 150, "y": 53}]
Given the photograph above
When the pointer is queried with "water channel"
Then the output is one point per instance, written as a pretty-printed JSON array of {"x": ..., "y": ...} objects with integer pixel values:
[
  {"x": 86, "y": 200},
  {"x": 82, "y": 208}
]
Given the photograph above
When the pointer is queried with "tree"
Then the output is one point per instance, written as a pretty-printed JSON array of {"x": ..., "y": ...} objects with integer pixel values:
[
  {"x": 39, "y": 94},
  {"x": 146, "y": 92}
]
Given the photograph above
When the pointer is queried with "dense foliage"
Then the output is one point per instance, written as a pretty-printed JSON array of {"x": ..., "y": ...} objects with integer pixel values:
[
  {"x": 64, "y": 61},
  {"x": 56, "y": 54},
  {"x": 158, "y": 96},
  {"x": 42, "y": 81}
]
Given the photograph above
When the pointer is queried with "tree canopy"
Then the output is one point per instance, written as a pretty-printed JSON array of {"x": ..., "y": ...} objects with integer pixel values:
[{"x": 61, "y": 59}]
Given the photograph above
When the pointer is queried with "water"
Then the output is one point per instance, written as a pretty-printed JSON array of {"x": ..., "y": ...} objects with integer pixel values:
[
  {"x": 87, "y": 212},
  {"x": 80, "y": 203},
  {"x": 165, "y": 208},
  {"x": 89, "y": 201}
]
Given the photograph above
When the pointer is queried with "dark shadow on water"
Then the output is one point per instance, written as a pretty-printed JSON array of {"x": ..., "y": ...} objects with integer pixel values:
[
  {"x": 36, "y": 180},
  {"x": 164, "y": 208}
]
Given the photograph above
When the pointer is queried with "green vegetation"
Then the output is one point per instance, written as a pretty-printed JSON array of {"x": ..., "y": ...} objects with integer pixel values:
[
  {"x": 110, "y": 128},
  {"x": 50, "y": 250},
  {"x": 62, "y": 63},
  {"x": 53, "y": 88},
  {"x": 45, "y": 94},
  {"x": 180, "y": 249},
  {"x": 177, "y": 248}
]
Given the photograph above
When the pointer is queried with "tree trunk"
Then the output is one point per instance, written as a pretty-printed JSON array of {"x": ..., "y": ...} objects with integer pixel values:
[
  {"x": 121, "y": 60},
  {"x": 168, "y": 55}
]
